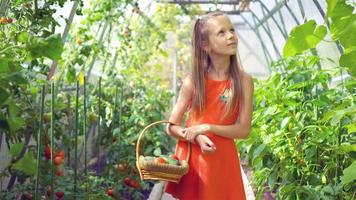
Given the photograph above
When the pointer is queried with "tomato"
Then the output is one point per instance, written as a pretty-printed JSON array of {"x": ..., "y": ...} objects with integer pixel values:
[
  {"x": 121, "y": 167},
  {"x": 59, "y": 154},
  {"x": 47, "y": 117},
  {"x": 110, "y": 192},
  {"x": 78, "y": 41},
  {"x": 58, "y": 160},
  {"x": 2, "y": 20},
  {"x": 127, "y": 181},
  {"x": 9, "y": 20},
  {"x": 49, "y": 191},
  {"x": 134, "y": 183},
  {"x": 160, "y": 160},
  {"x": 59, "y": 172},
  {"x": 28, "y": 196},
  {"x": 92, "y": 118},
  {"x": 59, "y": 194},
  {"x": 47, "y": 152},
  {"x": 175, "y": 157}
]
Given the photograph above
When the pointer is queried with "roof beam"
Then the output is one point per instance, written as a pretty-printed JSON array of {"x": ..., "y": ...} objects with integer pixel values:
[
  {"x": 183, "y": 2},
  {"x": 271, "y": 12}
]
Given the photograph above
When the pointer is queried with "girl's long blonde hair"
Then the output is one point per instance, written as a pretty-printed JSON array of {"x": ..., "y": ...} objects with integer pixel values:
[{"x": 201, "y": 63}]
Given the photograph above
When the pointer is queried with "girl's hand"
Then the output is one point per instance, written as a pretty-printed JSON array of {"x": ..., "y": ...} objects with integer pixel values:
[
  {"x": 191, "y": 132},
  {"x": 206, "y": 145}
]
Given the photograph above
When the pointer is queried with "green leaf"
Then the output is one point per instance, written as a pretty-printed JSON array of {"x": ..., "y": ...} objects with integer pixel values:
[
  {"x": 348, "y": 59},
  {"x": 54, "y": 47},
  {"x": 336, "y": 114},
  {"x": 310, "y": 152},
  {"x": 15, "y": 149},
  {"x": 303, "y": 37},
  {"x": 344, "y": 29},
  {"x": 157, "y": 152},
  {"x": 50, "y": 47},
  {"x": 345, "y": 148},
  {"x": 272, "y": 179},
  {"x": 13, "y": 109},
  {"x": 330, "y": 7},
  {"x": 23, "y": 37},
  {"x": 4, "y": 96},
  {"x": 349, "y": 174},
  {"x": 351, "y": 128},
  {"x": 27, "y": 164},
  {"x": 116, "y": 132},
  {"x": 258, "y": 150},
  {"x": 4, "y": 63},
  {"x": 18, "y": 78},
  {"x": 328, "y": 190},
  {"x": 285, "y": 122},
  {"x": 337, "y": 9},
  {"x": 70, "y": 74},
  {"x": 15, "y": 123}
]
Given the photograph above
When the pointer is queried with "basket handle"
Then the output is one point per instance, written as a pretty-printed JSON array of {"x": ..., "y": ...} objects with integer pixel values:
[{"x": 145, "y": 129}]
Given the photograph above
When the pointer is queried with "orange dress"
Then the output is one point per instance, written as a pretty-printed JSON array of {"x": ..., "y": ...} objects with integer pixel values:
[{"x": 215, "y": 176}]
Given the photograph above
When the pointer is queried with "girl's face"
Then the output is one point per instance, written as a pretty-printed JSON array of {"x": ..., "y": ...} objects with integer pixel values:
[{"x": 222, "y": 37}]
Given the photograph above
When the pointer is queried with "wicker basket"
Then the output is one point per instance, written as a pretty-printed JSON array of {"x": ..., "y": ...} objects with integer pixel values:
[{"x": 149, "y": 170}]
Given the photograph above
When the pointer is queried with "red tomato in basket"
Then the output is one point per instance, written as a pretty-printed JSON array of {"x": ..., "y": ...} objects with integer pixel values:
[
  {"x": 160, "y": 160},
  {"x": 175, "y": 157}
]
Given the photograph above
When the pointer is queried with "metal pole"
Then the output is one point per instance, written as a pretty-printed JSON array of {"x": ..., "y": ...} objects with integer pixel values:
[
  {"x": 270, "y": 14},
  {"x": 52, "y": 142},
  {"x": 94, "y": 56},
  {"x": 268, "y": 34},
  {"x": 99, "y": 121},
  {"x": 293, "y": 15},
  {"x": 182, "y": 2},
  {"x": 85, "y": 128},
  {"x": 252, "y": 51},
  {"x": 39, "y": 141},
  {"x": 3, "y": 7},
  {"x": 175, "y": 76},
  {"x": 64, "y": 36},
  {"x": 76, "y": 139},
  {"x": 322, "y": 13},
  {"x": 282, "y": 21}
]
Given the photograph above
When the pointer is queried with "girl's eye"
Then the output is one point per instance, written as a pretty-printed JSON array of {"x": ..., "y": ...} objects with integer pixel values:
[
  {"x": 232, "y": 30},
  {"x": 221, "y": 32}
]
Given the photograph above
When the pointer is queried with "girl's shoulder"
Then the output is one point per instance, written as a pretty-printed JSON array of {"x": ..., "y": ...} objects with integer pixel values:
[
  {"x": 188, "y": 82},
  {"x": 246, "y": 79}
]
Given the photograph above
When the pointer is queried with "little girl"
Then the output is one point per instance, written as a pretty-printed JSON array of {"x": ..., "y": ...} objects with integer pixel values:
[{"x": 218, "y": 96}]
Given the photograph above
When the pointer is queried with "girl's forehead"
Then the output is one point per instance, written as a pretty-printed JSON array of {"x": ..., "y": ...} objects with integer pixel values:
[{"x": 218, "y": 22}]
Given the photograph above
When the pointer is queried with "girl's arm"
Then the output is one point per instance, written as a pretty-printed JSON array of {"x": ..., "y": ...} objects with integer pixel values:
[
  {"x": 186, "y": 91},
  {"x": 241, "y": 128}
]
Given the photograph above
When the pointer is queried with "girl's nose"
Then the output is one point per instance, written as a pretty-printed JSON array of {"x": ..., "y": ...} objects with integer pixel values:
[{"x": 231, "y": 34}]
